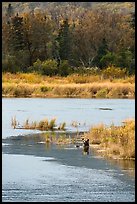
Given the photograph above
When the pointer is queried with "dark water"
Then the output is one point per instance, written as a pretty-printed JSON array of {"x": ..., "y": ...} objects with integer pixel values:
[{"x": 35, "y": 171}]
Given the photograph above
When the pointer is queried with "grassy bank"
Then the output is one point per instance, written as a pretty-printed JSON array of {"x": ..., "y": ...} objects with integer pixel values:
[
  {"x": 82, "y": 86},
  {"x": 115, "y": 141}
]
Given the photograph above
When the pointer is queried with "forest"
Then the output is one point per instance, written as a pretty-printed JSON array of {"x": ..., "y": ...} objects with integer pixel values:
[{"x": 61, "y": 38}]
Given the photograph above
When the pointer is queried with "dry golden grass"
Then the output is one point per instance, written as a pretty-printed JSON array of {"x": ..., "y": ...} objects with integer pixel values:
[
  {"x": 44, "y": 124},
  {"x": 114, "y": 141},
  {"x": 34, "y": 85}
]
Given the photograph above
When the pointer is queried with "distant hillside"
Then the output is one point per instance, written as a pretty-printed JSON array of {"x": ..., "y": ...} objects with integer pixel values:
[{"x": 22, "y": 7}]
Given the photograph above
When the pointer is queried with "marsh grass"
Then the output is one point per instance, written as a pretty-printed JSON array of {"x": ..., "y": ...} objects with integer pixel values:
[
  {"x": 34, "y": 85},
  {"x": 44, "y": 124},
  {"x": 13, "y": 122},
  {"x": 102, "y": 93},
  {"x": 114, "y": 141}
]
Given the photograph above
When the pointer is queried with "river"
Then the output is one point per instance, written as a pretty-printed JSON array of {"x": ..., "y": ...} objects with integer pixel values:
[{"x": 33, "y": 171}]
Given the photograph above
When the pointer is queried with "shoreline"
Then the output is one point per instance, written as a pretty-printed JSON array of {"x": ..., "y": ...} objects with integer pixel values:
[
  {"x": 62, "y": 96},
  {"x": 99, "y": 151},
  {"x": 30, "y": 85}
]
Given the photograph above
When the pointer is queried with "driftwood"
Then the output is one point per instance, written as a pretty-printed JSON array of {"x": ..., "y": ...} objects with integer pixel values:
[{"x": 105, "y": 109}]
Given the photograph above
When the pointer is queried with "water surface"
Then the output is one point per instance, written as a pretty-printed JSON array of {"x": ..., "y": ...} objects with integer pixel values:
[
  {"x": 85, "y": 111},
  {"x": 34, "y": 171}
]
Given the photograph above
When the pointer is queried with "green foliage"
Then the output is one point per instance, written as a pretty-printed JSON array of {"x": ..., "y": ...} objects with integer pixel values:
[
  {"x": 16, "y": 34},
  {"x": 44, "y": 89},
  {"x": 64, "y": 40},
  {"x": 49, "y": 67},
  {"x": 36, "y": 67},
  {"x": 102, "y": 93},
  {"x": 64, "y": 68},
  {"x": 102, "y": 51},
  {"x": 114, "y": 72},
  {"x": 108, "y": 59},
  {"x": 9, "y": 64},
  {"x": 100, "y": 39},
  {"x": 124, "y": 59}
]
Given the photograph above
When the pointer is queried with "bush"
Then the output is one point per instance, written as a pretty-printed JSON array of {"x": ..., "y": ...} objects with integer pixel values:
[
  {"x": 108, "y": 59},
  {"x": 115, "y": 140},
  {"x": 9, "y": 64},
  {"x": 44, "y": 89},
  {"x": 36, "y": 66},
  {"x": 102, "y": 93},
  {"x": 114, "y": 72},
  {"x": 49, "y": 67},
  {"x": 64, "y": 68}
]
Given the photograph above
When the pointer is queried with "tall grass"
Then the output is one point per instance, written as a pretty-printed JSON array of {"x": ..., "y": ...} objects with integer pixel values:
[
  {"x": 44, "y": 124},
  {"x": 118, "y": 141},
  {"x": 34, "y": 85}
]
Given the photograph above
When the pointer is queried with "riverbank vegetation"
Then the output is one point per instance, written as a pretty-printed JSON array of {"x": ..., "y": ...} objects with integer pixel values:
[
  {"x": 43, "y": 125},
  {"x": 70, "y": 49},
  {"x": 75, "y": 85},
  {"x": 116, "y": 142}
]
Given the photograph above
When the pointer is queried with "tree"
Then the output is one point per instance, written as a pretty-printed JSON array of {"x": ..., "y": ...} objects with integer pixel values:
[
  {"x": 102, "y": 51},
  {"x": 38, "y": 32},
  {"x": 108, "y": 59},
  {"x": 64, "y": 41},
  {"x": 17, "y": 34},
  {"x": 55, "y": 52}
]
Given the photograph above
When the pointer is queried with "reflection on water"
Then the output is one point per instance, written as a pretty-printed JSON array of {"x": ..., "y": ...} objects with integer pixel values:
[
  {"x": 85, "y": 112},
  {"x": 126, "y": 165},
  {"x": 35, "y": 179},
  {"x": 62, "y": 172},
  {"x": 44, "y": 145},
  {"x": 34, "y": 168}
]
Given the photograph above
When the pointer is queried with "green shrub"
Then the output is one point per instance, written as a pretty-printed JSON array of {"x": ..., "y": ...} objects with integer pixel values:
[
  {"x": 44, "y": 89},
  {"x": 115, "y": 93},
  {"x": 49, "y": 67},
  {"x": 36, "y": 66},
  {"x": 102, "y": 93},
  {"x": 64, "y": 68},
  {"x": 9, "y": 64},
  {"x": 114, "y": 72}
]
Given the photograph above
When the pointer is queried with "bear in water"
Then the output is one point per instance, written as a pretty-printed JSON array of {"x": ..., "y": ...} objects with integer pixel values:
[{"x": 86, "y": 146}]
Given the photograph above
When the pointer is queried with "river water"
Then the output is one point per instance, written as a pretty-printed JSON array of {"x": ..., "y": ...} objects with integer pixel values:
[{"x": 34, "y": 171}]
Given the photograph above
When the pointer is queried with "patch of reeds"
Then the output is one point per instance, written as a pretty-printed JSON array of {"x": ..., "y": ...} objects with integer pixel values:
[
  {"x": 44, "y": 124},
  {"x": 17, "y": 86},
  {"x": 82, "y": 79},
  {"x": 114, "y": 141}
]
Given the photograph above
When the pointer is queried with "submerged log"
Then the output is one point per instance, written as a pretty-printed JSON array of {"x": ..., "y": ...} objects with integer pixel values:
[{"x": 105, "y": 109}]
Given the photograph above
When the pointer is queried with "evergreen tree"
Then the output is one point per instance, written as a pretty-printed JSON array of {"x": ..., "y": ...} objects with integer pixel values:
[
  {"x": 102, "y": 51},
  {"x": 64, "y": 41},
  {"x": 16, "y": 34},
  {"x": 55, "y": 52}
]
